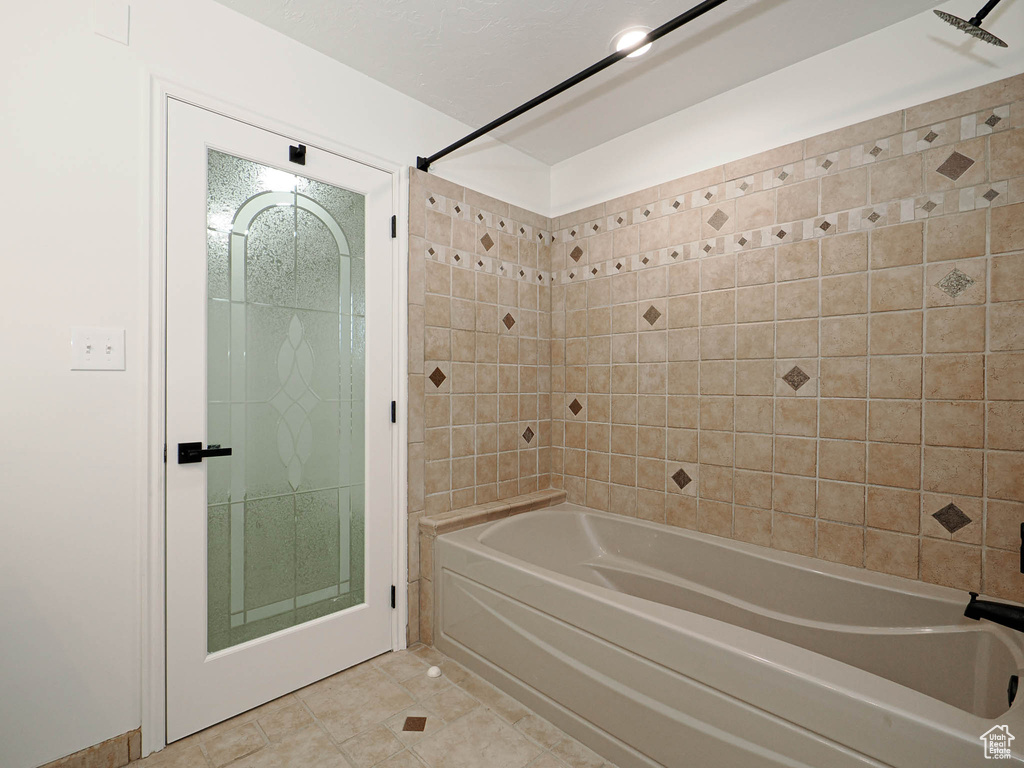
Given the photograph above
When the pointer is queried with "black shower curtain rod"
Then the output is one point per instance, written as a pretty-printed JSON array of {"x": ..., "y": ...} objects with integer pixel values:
[{"x": 424, "y": 163}]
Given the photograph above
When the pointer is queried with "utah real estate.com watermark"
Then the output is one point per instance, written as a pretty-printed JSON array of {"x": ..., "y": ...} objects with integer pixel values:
[{"x": 997, "y": 743}]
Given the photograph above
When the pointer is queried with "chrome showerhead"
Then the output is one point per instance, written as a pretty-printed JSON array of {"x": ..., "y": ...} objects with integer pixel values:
[{"x": 973, "y": 27}]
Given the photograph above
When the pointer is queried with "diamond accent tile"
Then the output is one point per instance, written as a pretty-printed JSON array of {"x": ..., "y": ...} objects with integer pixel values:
[
  {"x": 438, "y": 377},
  {"x": 645, "y": 260},
  {"x": 956, "y": 165},
  {"x": 825, "y": 226},
  {"x": 931, "y": 136},
  {"x": 991, "y": 195},
  {"x": 744, "y": 186},
  {"x": 486, "y": 242},
  {"x": 414, "y": 724},
  {"x": 827, "y": 164},
  {"x": 575, "y": 407},
  {"x": 674, "y": 254},
  {"x": 576, "y": 254},
  {"x": 783, "y": 176},
  {"x": 509, "y": 321},
  {"x": 930, "y": 206},
  {"x": 676, "y": 205},
  {"x": 528, "y": 435},
  {"x": 431, "y": 251},
  {"x": 458, "y": 209},
  {"x": 952, "y": 518},
  {"x": 955, "y": 283},
  {"x": 681, "y": 479},
  {"x": 796, "y": 378},
  {"x": 457, "y": 257},
  {"x": 876, "y": 151},
  {"x": 647, "y": 212},
  {"x": 875, "y": 216},
  {"x": 708, "y": 195},
  {"x": 718, "y": 219},
  {"x": 619, "y": 220},
  {"x": 619, "y": 265},
  {"x": 781, "y": 234},
  {"x": 993, "y": 120},
  {"x": 743, "y": 241},
  {"x": 651, "y": 315},
  {"x": 432, "y": 200}
]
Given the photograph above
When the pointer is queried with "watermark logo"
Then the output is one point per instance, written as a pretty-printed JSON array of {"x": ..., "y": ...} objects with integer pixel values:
[{"x": 997, "y": 743}]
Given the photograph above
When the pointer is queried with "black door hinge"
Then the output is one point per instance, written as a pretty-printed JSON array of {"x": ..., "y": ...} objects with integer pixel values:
[
  {"x": 394, "y": 226},
  {"x": 394, "y": 412},
  {"x": 392, "y": 595}
]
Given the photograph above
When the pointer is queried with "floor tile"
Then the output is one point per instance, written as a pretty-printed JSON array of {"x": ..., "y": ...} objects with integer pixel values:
[
  {"x": 478, "y": 740},
  {"x": 577, "y": 755},
  {"x": 356, "y": 719},
  {"x": 307, "y": 747},
  {"x": 450, "y": 704},
  {"x": 491, "y": 697},
  {"x": 279, "y": 723},
  {"x": 233, "y": 744},
  {"x": 540, "y": 730},
  {"x": 369, "y": 748}
]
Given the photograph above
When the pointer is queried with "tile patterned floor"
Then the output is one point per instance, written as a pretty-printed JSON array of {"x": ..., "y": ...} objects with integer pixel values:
[{"x": 386, "y": 713}]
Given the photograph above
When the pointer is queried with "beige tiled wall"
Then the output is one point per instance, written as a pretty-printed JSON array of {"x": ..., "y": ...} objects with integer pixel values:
[
  {"x": 479, "y": 355},
  {"x": 818, "y": 349}
]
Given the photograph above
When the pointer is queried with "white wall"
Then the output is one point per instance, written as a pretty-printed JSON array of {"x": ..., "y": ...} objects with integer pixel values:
[
  {"x": 909, "y": 63},
  {"x": 74, "y": 191}
]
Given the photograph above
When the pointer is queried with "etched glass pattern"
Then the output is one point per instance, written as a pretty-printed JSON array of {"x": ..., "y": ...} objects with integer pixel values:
[{"x": 286, "y": 352}]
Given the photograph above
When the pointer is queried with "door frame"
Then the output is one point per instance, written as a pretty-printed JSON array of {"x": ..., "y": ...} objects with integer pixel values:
[{"x": 152, "y": 539}]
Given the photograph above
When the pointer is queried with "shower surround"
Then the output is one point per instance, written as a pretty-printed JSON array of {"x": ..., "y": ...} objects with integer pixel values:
[{"x": 818, "y": 349}]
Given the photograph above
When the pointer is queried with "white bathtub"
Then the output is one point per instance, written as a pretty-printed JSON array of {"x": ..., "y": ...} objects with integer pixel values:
[{"x": 657, "y": 646}]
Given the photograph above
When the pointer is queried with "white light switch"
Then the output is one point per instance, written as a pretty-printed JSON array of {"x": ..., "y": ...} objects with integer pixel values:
[{"x": 97, "y": 349}]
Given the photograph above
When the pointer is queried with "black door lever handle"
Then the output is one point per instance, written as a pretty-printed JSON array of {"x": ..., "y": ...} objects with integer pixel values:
[{"x": 193, "y": 453}]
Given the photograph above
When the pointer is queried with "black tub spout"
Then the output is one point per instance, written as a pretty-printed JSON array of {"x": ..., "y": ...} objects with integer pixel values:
[{"x": 1011, "y": 616}]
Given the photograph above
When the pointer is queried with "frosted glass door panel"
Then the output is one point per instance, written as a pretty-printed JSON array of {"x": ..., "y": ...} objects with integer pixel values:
[{"x": 286, "y": 360}]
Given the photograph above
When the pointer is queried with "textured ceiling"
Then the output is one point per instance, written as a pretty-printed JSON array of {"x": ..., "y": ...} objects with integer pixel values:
[{"x": 476, "y": 59}]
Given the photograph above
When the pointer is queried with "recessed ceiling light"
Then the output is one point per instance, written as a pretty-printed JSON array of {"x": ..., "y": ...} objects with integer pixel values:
[{"x": 630, "y": 37}]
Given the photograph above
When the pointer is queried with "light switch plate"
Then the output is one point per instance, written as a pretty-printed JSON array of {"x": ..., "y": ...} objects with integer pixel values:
[{"x": 97, "y": 349}]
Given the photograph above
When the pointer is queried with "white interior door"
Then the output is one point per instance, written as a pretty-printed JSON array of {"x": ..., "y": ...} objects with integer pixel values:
[{"x": 280, "y": 339}]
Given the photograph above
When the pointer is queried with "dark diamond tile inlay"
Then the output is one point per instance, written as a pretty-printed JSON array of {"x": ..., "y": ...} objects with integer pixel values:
[
  {"x": 619, "y": 220},
  {"x": 875, "y": 216},
  {"x": 931, "y": 136},
  {"x": 576, "y": 253},
  {"x": 955, "y": 283},
  {"x": 681, "y": 479},
  {"x": 718, "y": 219},
  {"x": 743, "y": 241},
  {"x": 876, "y": 151},
  {"x": 509, "y": 321},
  {"x": 781, "y": 234},
  {"x": 457, "y": 209},
  {"x": 825, "y": 226},
  {"x": 993, "y": 120},
  {"x": 651, "y": 315},
  {"x": 676, "y": 205},
  {"x": 952, "y": 518},
  {"x": 619, "y": 265},
  {"x": 575, "y": 407},
  {"x": 991, "y": 195},
  {"x": 414, "y": 724},
  {"x": 647, "y": 211},
  {"x": 930, "y": 206},
  {"x": 486, "y": 242},
  {"x": 827, "y": 164},
  {"x": 438, "y": 377},
  {"x": 708, "y": 195},
  {"x": 645, "y": 260},
  {"x": 796, "y": 378},
  {"x": 956, "y": 165},
  {"x": 783, "y": 176},
  {"x": 744, "y": 186},
  {"x": 528, "y": 435}
]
